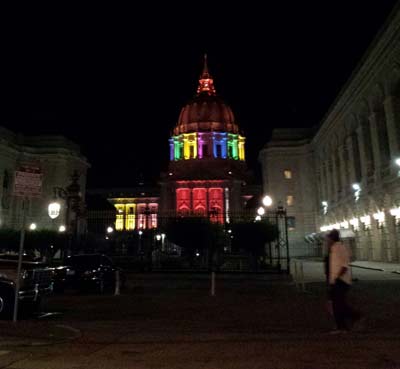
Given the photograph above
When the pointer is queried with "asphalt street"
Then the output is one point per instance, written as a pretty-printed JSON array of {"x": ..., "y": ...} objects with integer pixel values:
[{"x": 171, "y": 321}]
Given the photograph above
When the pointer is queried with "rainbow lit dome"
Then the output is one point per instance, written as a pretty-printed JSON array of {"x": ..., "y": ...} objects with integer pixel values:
[
  {"x": 206, "y": 127},
  {"x": 206, "y": 113}
]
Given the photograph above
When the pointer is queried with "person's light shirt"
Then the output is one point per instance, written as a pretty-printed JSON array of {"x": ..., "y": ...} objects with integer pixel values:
[{"x": 339, "y": 258}]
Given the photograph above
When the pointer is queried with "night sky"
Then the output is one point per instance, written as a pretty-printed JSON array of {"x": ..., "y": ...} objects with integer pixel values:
[{"x": 114, "y": 79}]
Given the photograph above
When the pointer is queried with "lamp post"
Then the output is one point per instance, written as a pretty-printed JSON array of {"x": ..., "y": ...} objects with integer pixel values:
[
  {"x": 283, "y": 239},
  {"x": 267, "y": 202},
  {"x": 72, "y": 197}
]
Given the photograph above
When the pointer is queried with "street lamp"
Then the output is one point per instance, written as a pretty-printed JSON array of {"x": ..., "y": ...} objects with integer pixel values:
[
  {"x": 62, "y": 228},
  {"x": 267, "y": 201},
  {"x": 54, "y": 209},
  {"x": 397, "y": 162},
  {"x": 324, "y": 207},
  {"x": 110, "y": 229},
  {"x": 72, "y": 197},
  {"x": 260, "y": 211},
  {"x": 33, "y": 226},
  {"x": 357, "y": 190}
]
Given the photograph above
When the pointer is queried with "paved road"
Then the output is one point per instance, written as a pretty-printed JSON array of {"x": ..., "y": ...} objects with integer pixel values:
[{"x": 170, "y": 321}]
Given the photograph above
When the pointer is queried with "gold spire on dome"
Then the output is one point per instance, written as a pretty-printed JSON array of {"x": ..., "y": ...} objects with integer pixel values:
[{"x": 206, "y": 83}]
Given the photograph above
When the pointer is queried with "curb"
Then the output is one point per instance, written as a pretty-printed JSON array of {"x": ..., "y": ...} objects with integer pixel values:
[
  {"x": 364, "y": 267},
  {"x": 9, "y": 341},
  {"x": 377, "y": 269}
]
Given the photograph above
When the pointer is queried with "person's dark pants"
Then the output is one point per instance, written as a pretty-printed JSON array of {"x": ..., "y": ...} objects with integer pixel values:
[{"x": 343, "y": 313}]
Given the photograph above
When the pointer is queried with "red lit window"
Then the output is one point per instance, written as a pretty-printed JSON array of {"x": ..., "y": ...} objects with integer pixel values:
[
  {"x": 152, "y": 221},
  {"x": 216, "y": 204},
  {"x": 183, "y": 205},
  {"x": 199, "y": 201}
]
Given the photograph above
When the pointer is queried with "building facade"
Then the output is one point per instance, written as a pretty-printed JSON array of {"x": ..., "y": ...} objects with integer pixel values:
[
  {"x": 346, "y": 174},
  {"x": 62, "y": 167},
  {"x": 136, "y": 207}
]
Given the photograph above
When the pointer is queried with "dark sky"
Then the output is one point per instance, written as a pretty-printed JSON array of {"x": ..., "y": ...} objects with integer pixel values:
[{"x": 114, "y": 79}]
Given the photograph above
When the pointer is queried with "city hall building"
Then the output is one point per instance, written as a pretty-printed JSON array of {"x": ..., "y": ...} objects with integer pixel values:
[
  {"x": 207, "y": 174},
  {"x": 346, "y": 173}
]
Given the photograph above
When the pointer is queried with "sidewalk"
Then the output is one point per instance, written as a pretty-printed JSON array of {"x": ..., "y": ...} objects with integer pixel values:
[
  {"x": 35, "y": 333},
  {"x": 312, "y": 270},
  {"x": 377, "y": 265}
]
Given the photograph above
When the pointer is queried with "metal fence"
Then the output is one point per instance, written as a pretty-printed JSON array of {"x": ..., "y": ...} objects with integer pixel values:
[{"x": 148, "y": 247}]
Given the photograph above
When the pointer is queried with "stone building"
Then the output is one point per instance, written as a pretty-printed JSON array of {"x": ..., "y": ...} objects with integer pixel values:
[
  {"x": 207, "y": 173},
  {"x": 135, "y": 207},
  {"x": 57, "y": 159},
  {"x": 346, "y": 174}
]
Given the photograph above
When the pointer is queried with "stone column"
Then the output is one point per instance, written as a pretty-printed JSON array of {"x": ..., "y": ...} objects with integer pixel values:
[
  {"x": 363, "y": 150},
  {"x": 323, "y": 182},
  {"x": 343, "y": 159},
  {"x": 380, "y": 142},
  {"x": 392, "y": 112},
  {"x": 335, "y": 179},
  {"x": 391, "y": 237},
  {"x": 351, "y": 161},
  {"x": 328, "y": 171}
]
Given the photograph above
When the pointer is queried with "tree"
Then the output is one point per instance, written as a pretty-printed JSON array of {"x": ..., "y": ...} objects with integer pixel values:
[
  {"x": 196, "y": 234},
  {"x": 252, "y": 237}
]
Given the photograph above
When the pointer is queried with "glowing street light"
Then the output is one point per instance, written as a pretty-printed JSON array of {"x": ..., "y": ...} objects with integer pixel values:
[
  {"x": 33, "y": 226},
  {"x": 62, "y": 228},
  {"x": 397, "y": 161},
  {"x": 267, "y": 201},
  {"x": 260, "y": 211},
  {"x": 357, "y": 190},
  {"x": 54, "y": 209},
  {"x": 110, "y": 229},
  {"x": 324, "y": 207}
]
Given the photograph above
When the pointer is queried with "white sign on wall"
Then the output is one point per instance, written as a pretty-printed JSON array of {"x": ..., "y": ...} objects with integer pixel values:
[{"x": 28, "y": 181}]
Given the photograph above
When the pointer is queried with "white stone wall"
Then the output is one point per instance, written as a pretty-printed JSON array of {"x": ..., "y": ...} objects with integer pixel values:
[
  {"x": 57, "y": 157},
  {"x": 285, "y": 154},
  {"x": 357, "y": 142}
]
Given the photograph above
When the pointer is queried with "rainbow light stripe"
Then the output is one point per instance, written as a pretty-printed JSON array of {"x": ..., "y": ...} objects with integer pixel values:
[{"x": 200, "y": 145}]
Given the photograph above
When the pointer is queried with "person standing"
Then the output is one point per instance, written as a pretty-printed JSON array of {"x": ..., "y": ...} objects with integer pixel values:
[{"x": 339, "y": 279}]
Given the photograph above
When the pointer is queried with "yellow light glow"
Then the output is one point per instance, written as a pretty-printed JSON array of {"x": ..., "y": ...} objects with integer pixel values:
[
  {"x": 119, "y": 221},
  {"x": 189, "y": 146},
  {"x": 241, "y": 147},
  {"x": 130, "y": 217}
]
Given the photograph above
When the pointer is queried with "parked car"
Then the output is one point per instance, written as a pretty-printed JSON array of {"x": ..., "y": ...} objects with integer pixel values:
[
  {"x": 88, "y": 272},
  {"x": 36, "y": 282}
]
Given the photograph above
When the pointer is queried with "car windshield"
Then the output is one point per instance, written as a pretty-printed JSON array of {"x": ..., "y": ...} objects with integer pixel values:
[{"x": 85, "y": 261}]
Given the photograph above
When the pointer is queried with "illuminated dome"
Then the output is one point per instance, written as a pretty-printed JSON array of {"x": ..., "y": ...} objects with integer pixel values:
[
  {"x": 207, "y": 167},
  {"x": 206, "y": 127},
  {"x": 206, "y": 111}
]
